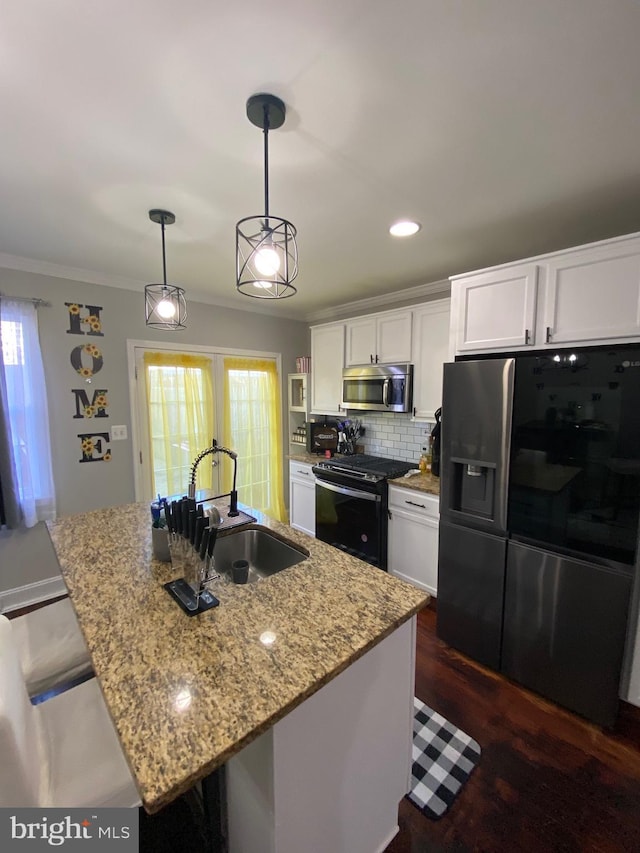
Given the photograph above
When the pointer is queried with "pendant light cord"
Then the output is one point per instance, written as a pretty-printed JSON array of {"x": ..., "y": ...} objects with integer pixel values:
[{"x": 265, "y": 130}]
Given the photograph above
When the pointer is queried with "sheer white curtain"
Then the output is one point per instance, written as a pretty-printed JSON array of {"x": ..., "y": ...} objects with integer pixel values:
[{"x": 24, "y": 411}]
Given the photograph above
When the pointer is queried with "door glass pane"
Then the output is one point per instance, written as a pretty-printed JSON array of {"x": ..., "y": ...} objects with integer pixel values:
[
  {"x": 180, "y": 411},
  {"x": 252, "y": 428}
]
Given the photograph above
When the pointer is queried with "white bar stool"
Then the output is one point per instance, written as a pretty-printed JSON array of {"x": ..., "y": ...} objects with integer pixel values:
[
  {"x": 51, "y": 646},
  {"x": 62, "y": 753}
]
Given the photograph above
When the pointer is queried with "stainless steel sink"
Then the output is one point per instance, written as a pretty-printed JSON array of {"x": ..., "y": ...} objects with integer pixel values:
[{"x": 265, "y": 554}]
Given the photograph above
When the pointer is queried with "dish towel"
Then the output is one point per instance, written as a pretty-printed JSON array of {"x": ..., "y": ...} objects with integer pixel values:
[{"x": 443, "y": 759}]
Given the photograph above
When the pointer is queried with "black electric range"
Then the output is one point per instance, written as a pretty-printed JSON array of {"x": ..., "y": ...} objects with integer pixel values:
[
  {"x": 352, "y": 504},
  {"x": 362, "y": 468}
]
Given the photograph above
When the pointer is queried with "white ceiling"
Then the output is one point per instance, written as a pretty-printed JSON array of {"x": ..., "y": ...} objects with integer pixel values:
[{"x": 506, "y": 127}]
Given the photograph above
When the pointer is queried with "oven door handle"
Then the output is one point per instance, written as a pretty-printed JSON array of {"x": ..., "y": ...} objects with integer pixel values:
[{"x": 352, "y": 493}]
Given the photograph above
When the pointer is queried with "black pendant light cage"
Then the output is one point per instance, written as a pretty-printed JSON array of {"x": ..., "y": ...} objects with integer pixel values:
[
  {"x": 266, "y": 249},
  {"x": 164, "y": 304}
]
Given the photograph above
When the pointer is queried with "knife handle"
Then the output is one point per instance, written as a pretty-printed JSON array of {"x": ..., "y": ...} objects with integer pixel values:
[
  {"x": 192, "y": 526},
  {"x": 177, "y": 516},
  {"x": 200, "y": 526}
]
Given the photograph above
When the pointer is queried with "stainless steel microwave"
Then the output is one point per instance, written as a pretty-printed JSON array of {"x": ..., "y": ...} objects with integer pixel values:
[{"x": 378, "y": 387}]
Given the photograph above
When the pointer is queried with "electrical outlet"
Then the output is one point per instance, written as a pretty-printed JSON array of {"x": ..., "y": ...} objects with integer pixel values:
[{"x": 118, "y": 433}]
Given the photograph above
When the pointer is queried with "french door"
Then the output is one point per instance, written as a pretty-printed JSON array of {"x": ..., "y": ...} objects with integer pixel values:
[{"x": 183, "y": 399}]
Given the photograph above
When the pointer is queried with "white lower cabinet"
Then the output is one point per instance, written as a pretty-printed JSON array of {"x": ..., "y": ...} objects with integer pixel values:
[
  {"x": 329, "y": 776},
  {"x": 302, "y": 497},
  {"x": 413, "y": 537}
]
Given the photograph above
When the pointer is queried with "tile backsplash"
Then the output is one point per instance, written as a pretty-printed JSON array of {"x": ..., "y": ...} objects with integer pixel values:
[{"x": 392, "y": 435}]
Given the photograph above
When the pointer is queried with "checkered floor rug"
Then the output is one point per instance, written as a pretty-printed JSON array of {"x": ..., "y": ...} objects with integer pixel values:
[{"x": 443, "y": 758}]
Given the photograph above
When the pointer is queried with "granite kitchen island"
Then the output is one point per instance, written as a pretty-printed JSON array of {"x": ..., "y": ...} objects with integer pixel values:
[{"x": 333, "y": 685}]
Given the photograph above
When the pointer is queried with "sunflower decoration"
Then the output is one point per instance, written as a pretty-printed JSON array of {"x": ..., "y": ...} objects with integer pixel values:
[
  {"x": 87, "y": 446},
  {"x": 107, "y": 456},
  {"x": 94, "y": 322},
  {"x": 74, "y": 309},
  {"x": 85, "y": 371},
  {"x": 93, "y": 350},
  {"x": 101, "y": 401},
  {"x": 89, "y": 411}
]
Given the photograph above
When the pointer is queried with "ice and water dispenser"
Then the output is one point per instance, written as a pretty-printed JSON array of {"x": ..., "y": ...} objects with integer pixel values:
[{"x": 473, "y": 488}]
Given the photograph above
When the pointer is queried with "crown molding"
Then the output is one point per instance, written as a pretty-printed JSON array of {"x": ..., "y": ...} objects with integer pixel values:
[
  {"x": 378, "y": 303},
  {"x": 256, "y": 306},
  {"x": 16, "y": 262}
]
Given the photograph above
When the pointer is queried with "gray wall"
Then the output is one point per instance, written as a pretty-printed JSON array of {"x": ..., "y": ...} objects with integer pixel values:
[{"x": 26, "y": 556}]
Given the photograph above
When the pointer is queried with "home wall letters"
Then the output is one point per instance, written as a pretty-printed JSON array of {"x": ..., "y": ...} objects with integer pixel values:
[{"x": 86, "y": 359}]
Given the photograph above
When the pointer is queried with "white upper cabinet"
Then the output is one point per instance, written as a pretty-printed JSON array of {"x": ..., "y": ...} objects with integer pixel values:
[
  {"x": 495, "y": 309},
  {"x": 430, "y": 351},
  {"x": 586, "y": 295},
  {"x": 593, "y": 294},
  {"x": 383, "y": 338},
  {"x": 327, "y": 361}
]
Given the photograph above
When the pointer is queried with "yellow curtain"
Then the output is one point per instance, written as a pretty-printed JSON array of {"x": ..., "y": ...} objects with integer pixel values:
[
  {"x": 181, "y": 418},
  {"x": 253, "y": 428}
]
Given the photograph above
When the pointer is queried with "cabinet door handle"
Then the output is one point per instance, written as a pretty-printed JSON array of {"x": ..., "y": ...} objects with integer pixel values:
[
  {"x": 412, "y": 503},
  {"x": 548, "y": 340},
  {"x": 376, "y": 359},
  {"x": 306, "y": 473},
  {"x": 370, "y": 359},
  {"x": 527, "y": 337}
]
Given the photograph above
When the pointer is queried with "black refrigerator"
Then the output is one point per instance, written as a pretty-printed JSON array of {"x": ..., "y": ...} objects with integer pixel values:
[{"x": 539, "y": 506}]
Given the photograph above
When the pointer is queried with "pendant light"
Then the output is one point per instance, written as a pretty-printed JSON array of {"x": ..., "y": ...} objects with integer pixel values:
[
  {"x": 165, "y": 305},
  {"x": 266, "y": 250}
]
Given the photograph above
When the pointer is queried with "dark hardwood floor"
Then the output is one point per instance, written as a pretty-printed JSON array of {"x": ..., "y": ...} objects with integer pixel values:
[{"x": 547, "y": 779}]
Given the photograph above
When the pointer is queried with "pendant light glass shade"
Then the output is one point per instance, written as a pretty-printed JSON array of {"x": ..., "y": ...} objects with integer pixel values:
[
  {"x": 164, "y": 304},
  {"x": 266, "y": 250}
]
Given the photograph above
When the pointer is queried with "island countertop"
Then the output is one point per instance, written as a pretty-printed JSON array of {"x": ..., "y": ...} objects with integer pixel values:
[{"x": 187, "y": 693}]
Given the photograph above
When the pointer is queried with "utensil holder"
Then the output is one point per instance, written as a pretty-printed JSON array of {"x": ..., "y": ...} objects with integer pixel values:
[
  {"x": 240, "y": 571},
  {"x": 160, "y": 544}
]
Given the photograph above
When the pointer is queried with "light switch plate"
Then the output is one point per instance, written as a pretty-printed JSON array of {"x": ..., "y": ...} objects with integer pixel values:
[{"x": 118, "y": 433}]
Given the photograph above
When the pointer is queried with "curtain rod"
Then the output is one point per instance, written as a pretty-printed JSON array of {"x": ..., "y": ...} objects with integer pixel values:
[{"x": 39, "y": 303}]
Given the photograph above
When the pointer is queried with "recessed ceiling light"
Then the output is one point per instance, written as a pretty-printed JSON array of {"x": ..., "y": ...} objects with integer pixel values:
[{"x": 404, "y": 228}]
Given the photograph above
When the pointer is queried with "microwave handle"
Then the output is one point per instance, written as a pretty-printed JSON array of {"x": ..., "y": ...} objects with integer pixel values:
[{"x": 385, "y": 391}]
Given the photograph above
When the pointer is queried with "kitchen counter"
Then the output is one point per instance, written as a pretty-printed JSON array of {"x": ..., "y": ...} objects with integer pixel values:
[
  {"x": 311, "y": 458},
  {"x": 419, "y": 482},
  {"x": 187, "y": 693}
]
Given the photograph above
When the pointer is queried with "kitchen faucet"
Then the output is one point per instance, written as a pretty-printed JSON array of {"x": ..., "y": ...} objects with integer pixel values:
[{"x": 215, "y": 448}]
